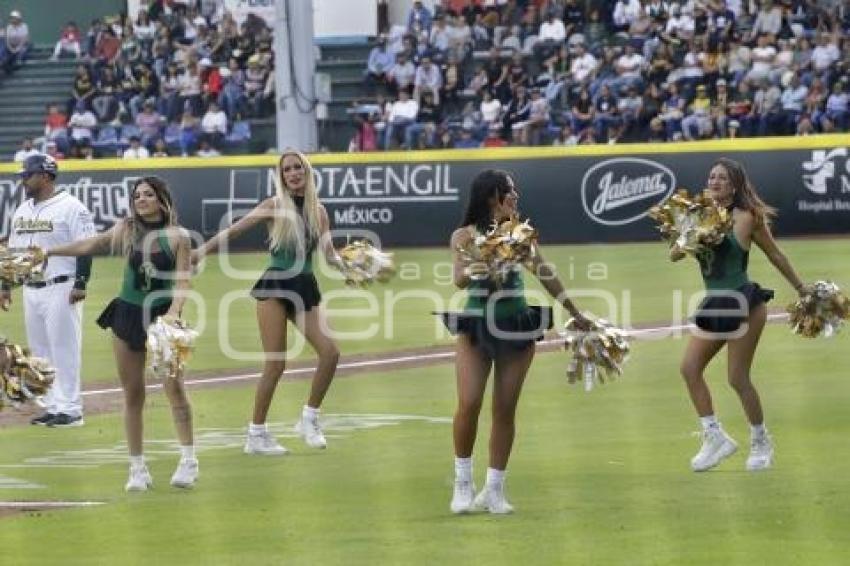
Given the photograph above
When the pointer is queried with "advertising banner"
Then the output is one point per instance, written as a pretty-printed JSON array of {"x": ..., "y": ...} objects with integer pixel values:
[{"x": 417, "y": 200}]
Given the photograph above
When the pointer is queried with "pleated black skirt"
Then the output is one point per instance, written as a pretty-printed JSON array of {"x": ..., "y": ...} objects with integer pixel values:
[
  {"x": 129, "y": 322},
  {"x": 297, "y": 292},
  {"x": 501, "y": 335},
  {"x": 710, "y": 315}
]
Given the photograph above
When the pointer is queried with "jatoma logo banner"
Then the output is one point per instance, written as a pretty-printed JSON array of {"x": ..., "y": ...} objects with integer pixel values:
[{"x": 621, "y": 190}]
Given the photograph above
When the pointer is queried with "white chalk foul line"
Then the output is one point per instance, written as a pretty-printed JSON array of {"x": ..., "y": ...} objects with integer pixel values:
[
  {"x": 47, "y": 504},
  {"x": 392, "y": 360}
]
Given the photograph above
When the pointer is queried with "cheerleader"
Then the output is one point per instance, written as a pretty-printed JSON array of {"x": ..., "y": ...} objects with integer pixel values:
[
  {"x": 297, "y": 224},
  {"x": 156, "y": 279},
  {"x": 733, "y": 314},
  {"x": 497, "y": 330}
]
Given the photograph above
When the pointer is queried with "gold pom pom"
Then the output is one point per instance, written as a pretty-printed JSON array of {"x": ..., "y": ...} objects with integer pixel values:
[
  {"x": 363, "y": 264},
  {"x": 170, "y": 345},
  {"x": 19, "y": 266},
  {"x": 23, "y": 377},
  {"x": 596, "y": 353},
  {"x": 821, "y": 311},
  {"x": 500, "y": 251},
  {"x": 691, "y": 225}
]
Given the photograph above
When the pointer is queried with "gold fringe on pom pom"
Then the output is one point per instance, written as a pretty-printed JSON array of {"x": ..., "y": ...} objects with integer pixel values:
[
  {"x": 363, "y": 264},
  {"x": 19, "y": 266},
  {"x": 601, "y": 350},
  {"x": 501, "y": 250},
  {"x": 22, "y": 377},
  {"x": 170, "y": 345},
  {"x": 821, "y": 311},
  {"x": 691, "y": 225}
]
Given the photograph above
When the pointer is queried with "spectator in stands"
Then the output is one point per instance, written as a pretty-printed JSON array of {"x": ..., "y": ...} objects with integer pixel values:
[
  {"x": 424, "y": 129},
  {"x": 582, "y": 112},
  {"x": 108, "y": 48},
  {"x": 381, "y": 61},
  {"x": 583, "y": 66},
  {"x": 69, "y": 42},
  {"x": 657, "y": 131},
  {"x": 52, "y": 149},
  {"x": 169, "y": 94},
  {"x": 490, "y": 108},
  {"x": 439, "y": 39},
  {"x": 792, "y": 101},
  {"x": 574, "y": 18},
  {"x": 232, "y": 96},
  {"x": 188, "y": 132},
  {"x": 190, "y": 87},
  {"x": 466, "y": 140},
  {"x": 740, "y": 107},
  {"x": 606, "y": 114},
  {"x": 762, "y": 57},
  {"x": 478, "y": 83},
  {"x": 214, "y": 125},
  {"x": 739, "y": 60},
  {"x": 538, "y": 119},
  {"x": 824, "y": 56},
  {"x": 255, "y": 83},
  {"x": 17, "y": 42},
  {"x": 145, "y": 31},
  {"x": 56, "y": 125},
  {"x": 494, "y": 137},
  {"x": 205, "y": 150},
  {"x": 837, "y": 108},
  {"x": 516, "y": 114},
  {"x": 403, "y": 113},
  {"x": 27, "y": 150},
  {"x": 768, "y": 111},
  {"x": 160, "y": 149},
  {"x": 551, "y": 35},
  {"x": 149, "y": 122},
  {"x": 625, "y": 13},
  {"x": 719, "y": 107},
  {"x": 629, "y": 67},
  {"x": 768, "y": 21},
  {"x": 419, "y": 18},
  {"x": 452, "y": 79},
  {"x": 143, "y": 86},
  {"x": 460, "y": 38},
  {"x": 673, "y": 112},
  {"x": 105, "y": 103},
  {"x": 697, "y": 124},
  {"x": 211, "y": 82},
  {"x": 136, "y": 149},
  {"x": 83, "y": 88},
  {"x": 679, "y": 27},
  {"x": 629, "y": 107},
  {"x": 82, "y": 124},
  {"x": 402, "y": 74},
  {"x": 428, "y": 79}
]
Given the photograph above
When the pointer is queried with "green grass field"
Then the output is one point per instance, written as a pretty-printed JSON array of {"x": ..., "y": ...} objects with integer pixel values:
[{"x": 597, "y": 478}]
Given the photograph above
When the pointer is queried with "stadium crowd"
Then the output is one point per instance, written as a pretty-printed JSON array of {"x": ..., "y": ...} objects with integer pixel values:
[
  {"x": 489, "y": 73},
  {"x": 179, "y": 78}
]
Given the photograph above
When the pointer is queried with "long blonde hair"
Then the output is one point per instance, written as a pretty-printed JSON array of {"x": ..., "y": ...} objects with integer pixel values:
[
  {"x": 286, "y": 229},
  {"x": 133, "y": 229}
]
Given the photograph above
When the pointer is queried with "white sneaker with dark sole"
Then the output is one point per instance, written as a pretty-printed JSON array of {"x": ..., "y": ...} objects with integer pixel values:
[
  {"x": 716, "y": 447},
  {"x": 186, "y": 473}
]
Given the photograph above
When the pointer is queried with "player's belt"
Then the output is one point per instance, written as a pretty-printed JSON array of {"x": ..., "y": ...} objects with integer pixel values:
[{"x": 54, "y": 281}]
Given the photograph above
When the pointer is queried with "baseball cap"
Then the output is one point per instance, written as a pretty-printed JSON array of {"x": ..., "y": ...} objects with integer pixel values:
[
  {"x": 39, "y": 163},
  {"x": 15, "y": 14}
]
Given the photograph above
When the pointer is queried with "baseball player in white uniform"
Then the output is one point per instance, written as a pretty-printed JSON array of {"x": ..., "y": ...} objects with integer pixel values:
[{"x": 53, "y": 307}]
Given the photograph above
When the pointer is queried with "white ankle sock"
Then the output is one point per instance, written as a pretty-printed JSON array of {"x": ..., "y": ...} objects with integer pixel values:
[
  {"x": 137, "y": 461},
  {"x": 758, "y": 431},
  {"x": 463, "y": 469},
  {"x": 257, "y": 428},
  {"x": 708, "y": 422},
  {"x": 187, "y": 452},
  {"x": 495, "y": 479},
  {"x": 310, "y": 412}
]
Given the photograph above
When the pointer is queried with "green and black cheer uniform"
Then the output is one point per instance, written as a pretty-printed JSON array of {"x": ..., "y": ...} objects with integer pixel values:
[
  {"x": 289, "y": 277},
  {"x": 499, "y": 324},
  {"x": 724, "y": 271},
  {"x": 130, "y": 314}
]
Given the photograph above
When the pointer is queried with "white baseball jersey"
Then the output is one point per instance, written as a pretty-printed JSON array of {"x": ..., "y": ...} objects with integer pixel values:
[
  {"x": 54, "y": 326},
  {"x": 59, "y": 220}
]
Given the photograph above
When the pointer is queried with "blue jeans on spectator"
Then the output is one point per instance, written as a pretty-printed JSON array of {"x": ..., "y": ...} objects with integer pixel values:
[
  {"x": 602, "y": 122},
  {"x": 393, "y": 127},
  {"x": 837, "y": 117},
  {"x": 232, "y": 100},
  {"x": 14, "y": 59},
  {"x": 188, "y": 140},
  {"x": 415, "y": 130},
  {"x": 169, "y": 106},
  {"x": 770, "y": 121}
]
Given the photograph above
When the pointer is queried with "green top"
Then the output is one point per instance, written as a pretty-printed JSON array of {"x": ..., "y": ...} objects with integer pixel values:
[
  {"x": 724, "y": 267},
  {"x": 504, "y": 307},
  {"x": 287, "y": 259},
  {"x": 139, "y": 277}
]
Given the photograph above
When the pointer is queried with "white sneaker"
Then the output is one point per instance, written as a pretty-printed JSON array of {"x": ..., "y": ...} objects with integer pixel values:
[
  {"x": 186, "y": 473},
  {"x": 263, "y": 444},
  {"x": 311, "y": 432},
  {"x": 140, "y": 479},
  {"x": 761, "y": 453},
  {"x": 716, "y": 447},
  {"x": 463, "y": 497},
  {"x": 493, "y": 501}
]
